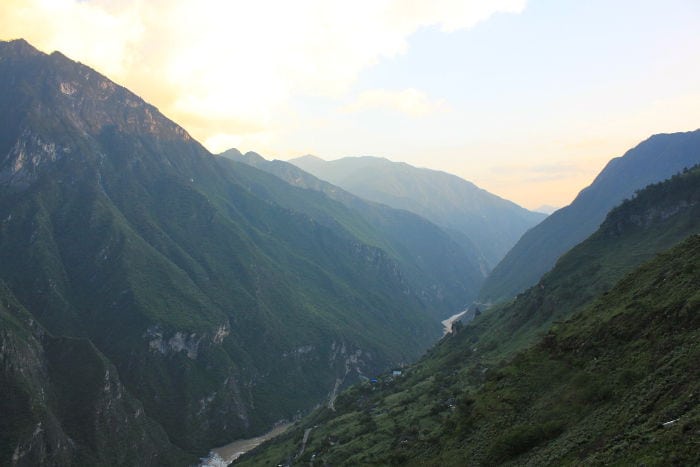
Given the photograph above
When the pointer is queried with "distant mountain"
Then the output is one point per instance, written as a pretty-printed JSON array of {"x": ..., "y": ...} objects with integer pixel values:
[
  {"x": 546, "y": 209},
  {"x": 158, "y": 300},
  {"x": 445, "y": 275},
  {"x": 473, "y": 216},
  {"x": 536, "y": 252},
  {"x": 596, "y": 364}
]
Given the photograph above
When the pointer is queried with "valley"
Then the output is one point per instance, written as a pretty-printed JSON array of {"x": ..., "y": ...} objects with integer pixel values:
[{"x": 372, "y": 287}]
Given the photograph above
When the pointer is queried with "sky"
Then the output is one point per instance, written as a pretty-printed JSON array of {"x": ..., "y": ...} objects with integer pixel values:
[{"x": 528, "y": 99}]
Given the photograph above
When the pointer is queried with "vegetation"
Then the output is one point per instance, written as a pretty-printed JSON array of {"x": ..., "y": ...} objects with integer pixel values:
[
  {"x": 224, "y": 299},
  {"x": 527, "y": 383},
  {"x": 156, "y": 301},
  {"x": 476, "y": 219},
  {"x": 63, "y": 403},
  {"x": 652, "y": 161},
  {"x": 445, "y": 275}
]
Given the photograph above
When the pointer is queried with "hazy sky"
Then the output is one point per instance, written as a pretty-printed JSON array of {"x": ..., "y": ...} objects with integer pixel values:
[{"x": 528, "y": 99}]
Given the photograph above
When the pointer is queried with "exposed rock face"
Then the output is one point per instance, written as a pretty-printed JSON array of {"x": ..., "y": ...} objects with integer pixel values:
[
  {"x": 64, "y": 404},
  {"x": 176, "y": 343},
  {"x": 182, "y": 341},
  {"x": 23, "y": 161}
]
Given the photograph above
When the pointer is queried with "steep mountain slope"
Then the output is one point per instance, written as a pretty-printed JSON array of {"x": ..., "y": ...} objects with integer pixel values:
[
  {"x": 445, "y": 276},
  {"x": 589, "y": 390},
  {"x": 660, "y": 216},
  {"x": 221, "y": 310},
  {"x": 63, "y": 403},
  {"x": 653, "y": 160},
  {"x": 474, "y": 217}
]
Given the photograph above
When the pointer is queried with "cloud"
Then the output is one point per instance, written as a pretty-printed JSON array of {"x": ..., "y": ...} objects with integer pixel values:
[
  {"x": 229, "y": 67},
  {"x": 407, "y": 101}
]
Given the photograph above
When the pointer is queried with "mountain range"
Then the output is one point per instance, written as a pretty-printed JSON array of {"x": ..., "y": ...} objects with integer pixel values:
[
  {"x": 157, "y": 300},
  {"x": 653, "y": 160},
  {"x": 446, "y": 275},
  {"x": 475, "y": 218},
  {"x": 159, "y": 297}
]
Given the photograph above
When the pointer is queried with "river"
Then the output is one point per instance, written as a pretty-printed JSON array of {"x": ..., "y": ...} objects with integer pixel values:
[{"x": 225, "y": 455}]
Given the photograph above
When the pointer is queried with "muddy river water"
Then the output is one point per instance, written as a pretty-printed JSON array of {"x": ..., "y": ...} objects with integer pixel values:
[{"x": 225, "y": 455}]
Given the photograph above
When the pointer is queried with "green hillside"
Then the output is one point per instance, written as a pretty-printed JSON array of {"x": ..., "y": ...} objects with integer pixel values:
[
  {"x": 652, "y": 161},
  {"x": 446, "y": 276},
  {"x": 660, "y": 216},
  {"x": 575, "y": 370},
  {"x": 63, "y": 403}
]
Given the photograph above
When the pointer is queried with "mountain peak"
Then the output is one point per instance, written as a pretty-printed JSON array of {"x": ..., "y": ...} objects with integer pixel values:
[
  {"x": 250, "y": 157},
  {"x": 17, "y": 48},
  {"x": 658, "y": 157},
  {"x": 63, "y": 107},
  {"x": 309, "y": 158}
]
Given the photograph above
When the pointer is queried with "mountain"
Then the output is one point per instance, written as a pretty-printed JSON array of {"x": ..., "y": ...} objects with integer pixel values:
[
  {"x": 473, "y": 216},
  {"x": 62, "y": 402},
  {"x": 536, "y": 252},
  {"x": 446, "y": 276},
  {"x": 583, "y": 368},
  {"x": 171, "y": 277},
  {"x": 660, "y": 216},
  {"x": 546, "y": 209}
]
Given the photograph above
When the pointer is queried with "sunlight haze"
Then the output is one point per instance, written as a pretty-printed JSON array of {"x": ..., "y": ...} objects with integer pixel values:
[{"x": 527, "y": 99}]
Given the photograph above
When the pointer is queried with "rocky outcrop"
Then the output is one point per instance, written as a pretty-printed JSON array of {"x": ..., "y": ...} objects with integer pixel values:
[{"x": 63, "y": 403}]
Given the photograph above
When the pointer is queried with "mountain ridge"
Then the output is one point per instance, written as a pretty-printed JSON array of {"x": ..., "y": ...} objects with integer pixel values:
[
  {"x": 472, "y": 215},
  {"x": 425, "y": 251},
  {"x": 653, "y": 160}
]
